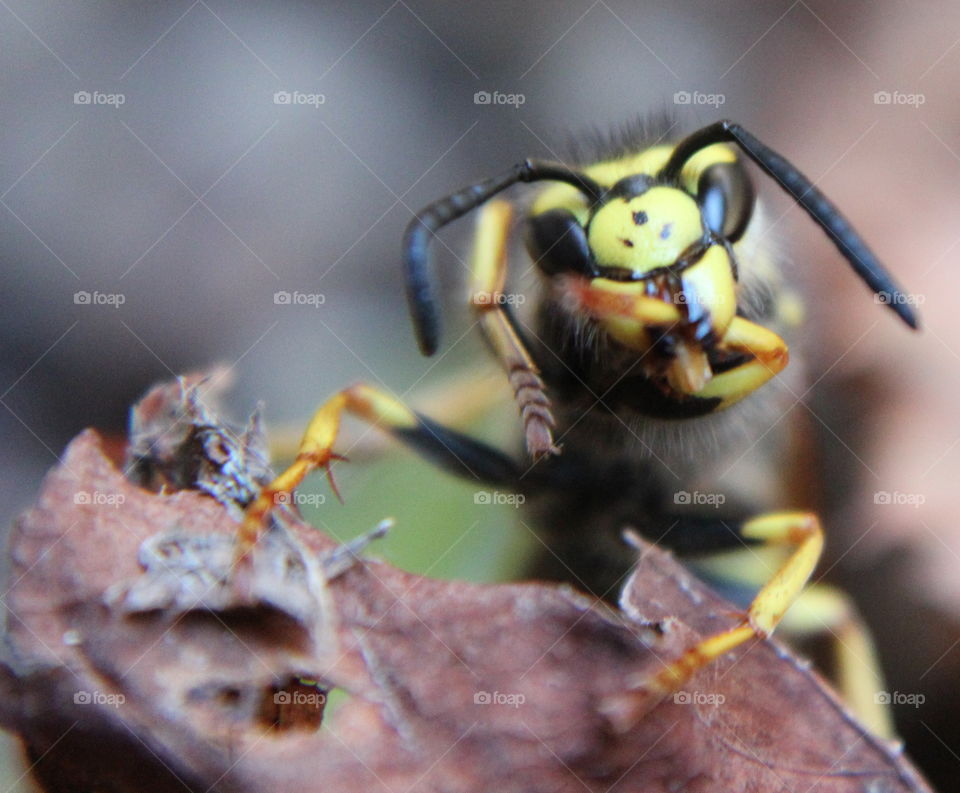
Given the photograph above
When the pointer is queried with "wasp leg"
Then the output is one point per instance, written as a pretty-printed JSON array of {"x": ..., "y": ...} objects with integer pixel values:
[
  {"x": 636, "y": 312},
  {"x": 857, "y": 674},
  {"x": 799, "y": 529},
  {"x": 628, "y": 315},
  {"x": 447, "y": 448},
  {"x": 316, "y": 450},
  {"x": 821, "y": 611},
  {"x": 460, "y": 399},
  {"x": 488, "y": 266},
  {"x": 769, "y": 355}
]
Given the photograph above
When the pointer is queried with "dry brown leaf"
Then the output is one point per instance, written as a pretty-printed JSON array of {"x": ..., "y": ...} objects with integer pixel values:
[{"x": 135, "y": 661}]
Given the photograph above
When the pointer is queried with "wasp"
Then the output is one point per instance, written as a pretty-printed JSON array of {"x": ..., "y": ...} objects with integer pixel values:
[{"x": 645, "y": 367}]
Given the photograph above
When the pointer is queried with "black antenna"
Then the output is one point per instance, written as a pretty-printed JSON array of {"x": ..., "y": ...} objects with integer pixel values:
[
  {"x": 418, "y": 273},
  {"x": 804, "y": 192}
]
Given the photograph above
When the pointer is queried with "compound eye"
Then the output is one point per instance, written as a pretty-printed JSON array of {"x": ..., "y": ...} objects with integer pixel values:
[
  {"x": 557, "y": 243},
  {"x": 726, "y": 197}
]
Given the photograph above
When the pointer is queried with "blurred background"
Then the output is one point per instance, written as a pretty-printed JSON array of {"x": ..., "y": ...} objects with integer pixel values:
[{"x": 168, "y": 168}]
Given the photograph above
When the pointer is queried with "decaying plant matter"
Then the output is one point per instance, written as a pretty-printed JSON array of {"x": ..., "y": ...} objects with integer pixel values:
[{"x": 138, "y": 658}]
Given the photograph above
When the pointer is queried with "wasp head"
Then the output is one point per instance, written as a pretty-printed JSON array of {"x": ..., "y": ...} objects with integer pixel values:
[{"x": 652, "y": 264}]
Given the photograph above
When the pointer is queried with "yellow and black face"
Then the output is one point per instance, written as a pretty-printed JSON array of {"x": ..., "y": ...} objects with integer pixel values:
[
  {"x": 665, "y": 243},
  {"x": 644, "y": 246}
]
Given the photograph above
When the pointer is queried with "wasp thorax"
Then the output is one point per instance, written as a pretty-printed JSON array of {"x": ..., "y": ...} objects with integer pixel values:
[{"x": 646, "y": 231}]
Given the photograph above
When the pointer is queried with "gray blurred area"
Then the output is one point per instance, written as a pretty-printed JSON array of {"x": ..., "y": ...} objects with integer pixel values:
[
  {"x": 191, "y": 160},
  {"x": 198, "y": 197}
]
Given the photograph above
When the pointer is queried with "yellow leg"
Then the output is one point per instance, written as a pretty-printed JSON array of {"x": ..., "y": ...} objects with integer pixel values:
[
  {"x": 488, "y": 273},
  {"x": 857, "y": 673},
  {"x": 628, "y": 315},
  {"x": 458, "y": 400},
  {"x": 625, "y": 312},
  {"x": 820, "y": 611},
  {"x": 799, "y": 529},
  {"x": 769, "y": 357},
  {"x": 316, "y": 450}
]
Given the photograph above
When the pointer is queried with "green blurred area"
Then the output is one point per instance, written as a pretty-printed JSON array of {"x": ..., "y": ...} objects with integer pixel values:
[{"x": 441, "y": 530}]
